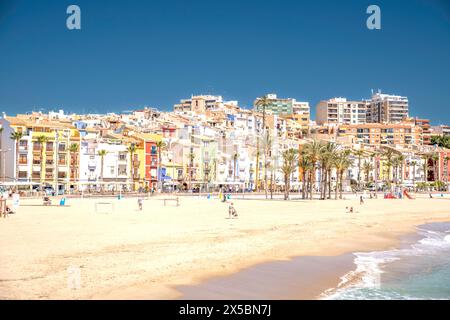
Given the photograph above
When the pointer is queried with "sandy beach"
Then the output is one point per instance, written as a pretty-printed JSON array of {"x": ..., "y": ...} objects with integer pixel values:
[{"x": 131, "y": 254}]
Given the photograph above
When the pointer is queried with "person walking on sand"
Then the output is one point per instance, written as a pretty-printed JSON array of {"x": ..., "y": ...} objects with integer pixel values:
[
  {"x": 361, "y": 200},
  {"x": 140, "y": 203}
]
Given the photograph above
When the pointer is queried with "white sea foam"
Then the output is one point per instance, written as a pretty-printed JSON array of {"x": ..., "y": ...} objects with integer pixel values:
[{"x": 370, "y": 266}]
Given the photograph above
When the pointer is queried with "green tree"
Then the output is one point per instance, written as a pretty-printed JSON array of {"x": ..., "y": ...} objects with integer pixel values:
[
  {"x": 131, "y": 149},
  {"x": 290, "y": 159},
  {"x": 102, "y": 154},
  {"x": 367, "y": 168},
  {"x": 342, "y": 162},
  {"x": 16, "y": 136},
  {"x": 42, "y": 140},
  {"x": 73, "y": 150},
  {"x": 263, "y": 103},
  {"x": 313, "y": 150}
]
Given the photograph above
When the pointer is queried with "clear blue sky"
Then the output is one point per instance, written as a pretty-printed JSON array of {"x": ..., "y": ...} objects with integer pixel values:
[{"x": 135, "y": 53}]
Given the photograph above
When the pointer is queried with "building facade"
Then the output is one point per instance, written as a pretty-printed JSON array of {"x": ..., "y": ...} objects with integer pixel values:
[
  {"x": 341, "y": 111},
  {"x": 387, "y": 108}
]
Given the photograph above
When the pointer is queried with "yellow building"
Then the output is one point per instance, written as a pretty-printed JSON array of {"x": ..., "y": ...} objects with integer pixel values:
[{"x": 42, "y": 151}]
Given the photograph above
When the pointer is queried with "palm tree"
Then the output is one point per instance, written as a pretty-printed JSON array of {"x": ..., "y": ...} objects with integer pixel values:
[
  {"x": 359, "y": 154},
  {"x": 328, "y": 152},
  {"x": 288, "y": 167},
  {"x": 268, "y": 141},
  {"x": 191, "y": 157},
  {"x": 305, "y": 165},
  {"x": 313, "y": 150},
  {"x": 16, "y": 136},
  {"x": 425, "y": 158},
  {"x": 401, "y": 160},
  {"x": 160, "y": 145},
  {"x": 131, "y": 149},
  {"x": 435, "y": 158},
  {"x": 446, "y": 160},
  {"x": 341, "y": 162},
  {"x": 235, "y": 160},
  {"x": 262, "y": 102},
  {"x": 367, "y": 168},
  {"x": 102, "y": 154},
  {"x": 389, "y": 155},
  {"x": 42, "y": 140},
  {"x": 73, "y": 149},
  {"x": 414, "y": 164}
]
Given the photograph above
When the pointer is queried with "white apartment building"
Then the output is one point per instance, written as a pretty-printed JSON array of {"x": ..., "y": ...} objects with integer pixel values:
[
  {"x": 387, "y": 108},
  {"x": 341, "y": 111},
  {"x": 202, "y": 103},
  {"x": 116, "y": 166}
]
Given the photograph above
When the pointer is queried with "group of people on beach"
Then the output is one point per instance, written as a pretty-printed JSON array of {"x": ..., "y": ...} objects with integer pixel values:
[{"x": 5, "y": 209}]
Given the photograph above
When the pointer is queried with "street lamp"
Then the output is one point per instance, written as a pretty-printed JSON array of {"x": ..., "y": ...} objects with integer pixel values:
[{"x": 4, "y": 162}]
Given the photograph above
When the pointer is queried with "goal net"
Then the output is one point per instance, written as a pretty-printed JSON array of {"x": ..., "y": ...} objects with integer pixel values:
[{"x": 104, "y": 207}]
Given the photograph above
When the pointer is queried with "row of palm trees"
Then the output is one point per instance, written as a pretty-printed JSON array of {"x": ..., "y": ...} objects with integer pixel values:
[
  {"x": 41, "y": 140},
  {"x": 328, "y": 158},
  {"x": 316, "y": 156}
]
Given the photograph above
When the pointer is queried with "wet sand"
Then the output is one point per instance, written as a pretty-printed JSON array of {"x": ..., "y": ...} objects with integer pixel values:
[{"x": 302, "y": 278}]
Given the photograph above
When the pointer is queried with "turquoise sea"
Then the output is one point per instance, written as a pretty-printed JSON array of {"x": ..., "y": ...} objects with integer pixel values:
[{"x": 418, "y": 269}]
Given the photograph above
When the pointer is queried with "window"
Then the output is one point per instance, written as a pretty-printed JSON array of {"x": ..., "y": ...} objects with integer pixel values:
[
  {"x": 62, "y": 159},
  {"x": 62, "y": 175},
  {"x": 22, "y": 159},
  {"x": 122, "y": 170},
  {"x": 37, "y": 146},
  {"x": 23, "y": 174}
]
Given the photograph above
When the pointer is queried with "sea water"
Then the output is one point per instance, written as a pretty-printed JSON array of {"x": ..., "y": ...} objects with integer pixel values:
[{"x": 417, "y": 270}]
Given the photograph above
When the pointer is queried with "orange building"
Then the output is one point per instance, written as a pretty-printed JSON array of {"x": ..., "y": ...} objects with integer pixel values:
[{"x": 375, "y": 134}]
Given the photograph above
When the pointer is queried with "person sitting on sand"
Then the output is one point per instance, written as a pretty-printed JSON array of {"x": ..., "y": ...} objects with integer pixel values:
[
  {"x": 47, "y": 201},
  {"x": 232, "y": 213}
]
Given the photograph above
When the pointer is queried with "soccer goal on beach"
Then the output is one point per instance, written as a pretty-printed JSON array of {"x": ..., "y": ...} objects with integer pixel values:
[{"x": 104, "y": 207}]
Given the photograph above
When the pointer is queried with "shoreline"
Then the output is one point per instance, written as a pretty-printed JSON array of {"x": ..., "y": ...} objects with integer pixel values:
[
  {"x": 303, "y": 277},
  {"x": 148, "y": 255}
]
